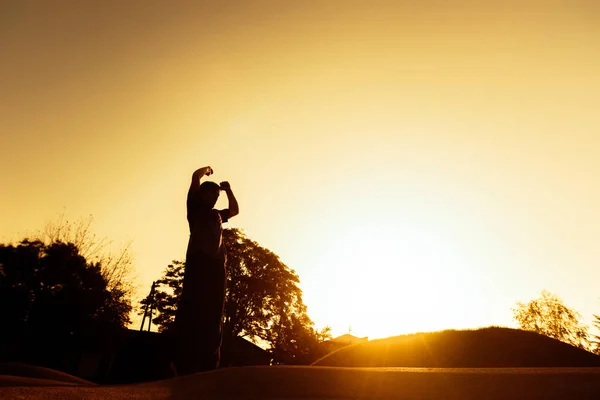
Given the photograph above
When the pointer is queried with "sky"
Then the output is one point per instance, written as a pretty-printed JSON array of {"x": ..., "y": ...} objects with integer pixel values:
[{"x": 421, "y": 165}]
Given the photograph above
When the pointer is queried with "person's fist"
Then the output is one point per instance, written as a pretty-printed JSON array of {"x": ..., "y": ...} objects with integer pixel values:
[
  {"x": 203, "y": 171},
  {"x": 225, "y": 186}
]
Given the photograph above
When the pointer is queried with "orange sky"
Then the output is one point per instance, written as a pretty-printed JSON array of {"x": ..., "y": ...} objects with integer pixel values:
[{"x": 421, "y": 165}]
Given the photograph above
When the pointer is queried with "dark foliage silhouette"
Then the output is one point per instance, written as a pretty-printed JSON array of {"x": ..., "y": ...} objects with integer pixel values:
[
  {"x": 116, "y": 266},
  {"x": 51, "y": 295},
  {"x": 295, "y": 342}
]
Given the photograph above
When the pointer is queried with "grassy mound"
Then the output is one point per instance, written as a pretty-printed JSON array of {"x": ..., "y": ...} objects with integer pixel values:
[
  {"x": 487, "y": 347},
  {"x": 32, "y": 375}
]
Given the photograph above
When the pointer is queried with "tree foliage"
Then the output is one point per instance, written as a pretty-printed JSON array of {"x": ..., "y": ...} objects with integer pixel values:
[
  {"x": 294, "y": 341},
  {"x": 51, "y": 290},
  {"x": 596, "y": 338},
  {"x": 116, "y": 267},
  {"x": 166, "y": 296},
  {"x": 263, "y": 301},
  {"x": 548, "y": 316}
]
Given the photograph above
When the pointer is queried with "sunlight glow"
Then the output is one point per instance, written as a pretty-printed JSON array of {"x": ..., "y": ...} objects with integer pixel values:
[
  {"x": 414, "y": 264},
  {"x": 389, "y": 279}
]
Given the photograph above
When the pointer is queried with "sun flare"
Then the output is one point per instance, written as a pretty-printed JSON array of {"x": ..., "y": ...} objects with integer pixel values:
[{"x": 388, "y": 279}]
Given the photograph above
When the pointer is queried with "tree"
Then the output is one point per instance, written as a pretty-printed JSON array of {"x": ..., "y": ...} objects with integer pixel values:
[
  {"x": 115, "y": 267},
  {"x": 596, "y": 341},
  {"x": 166, "y": 296},
  {"x": 295, "y": 342},
  {"x": 263, "y": 300},
  {"x": 51, "y": 290},
  {"x": 548, "y": 316}
]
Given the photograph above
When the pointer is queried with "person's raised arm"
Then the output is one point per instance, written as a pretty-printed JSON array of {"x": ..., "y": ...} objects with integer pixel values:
[
  {"x": 233, "y": 204},
  {"x": 197, "y": 175}
]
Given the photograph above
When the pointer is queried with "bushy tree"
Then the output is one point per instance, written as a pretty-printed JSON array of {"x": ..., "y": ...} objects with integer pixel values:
[
  {"x": 263, "y": 301},
  {"x": 166, "y": 296},
  {"x": 548, "y": 316},
  {"x": 51, "y": 290},
  {"x": 116, "y": 267},
  {"x": 294, "y": 341}
]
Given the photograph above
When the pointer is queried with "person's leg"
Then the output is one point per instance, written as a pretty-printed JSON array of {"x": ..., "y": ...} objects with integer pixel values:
[
  {"x": 179, "y": 341},
  {"x": 184, "y": 336},
  {"x": 210, "y": 319}
]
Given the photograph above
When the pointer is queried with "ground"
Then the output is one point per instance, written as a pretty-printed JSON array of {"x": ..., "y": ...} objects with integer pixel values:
[
  {"x": 495, "y": 363},
  {"x": 339, "y": 383}
]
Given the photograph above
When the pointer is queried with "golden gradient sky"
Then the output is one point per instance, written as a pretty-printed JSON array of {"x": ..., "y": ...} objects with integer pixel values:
[{"x": 421, "y": 165}]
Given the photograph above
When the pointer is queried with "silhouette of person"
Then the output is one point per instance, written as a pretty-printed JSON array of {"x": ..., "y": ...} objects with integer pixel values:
[{"x": 199, "y": 316}]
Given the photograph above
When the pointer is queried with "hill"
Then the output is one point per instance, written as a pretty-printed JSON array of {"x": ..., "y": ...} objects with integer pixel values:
[{"x": 482, "y": 348}]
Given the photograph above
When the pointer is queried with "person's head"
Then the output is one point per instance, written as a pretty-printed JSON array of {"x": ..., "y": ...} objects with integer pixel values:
[{"x": 209, "y": 193}]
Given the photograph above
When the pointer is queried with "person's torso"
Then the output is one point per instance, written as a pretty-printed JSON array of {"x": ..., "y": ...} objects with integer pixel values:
[{"x": 206, "y": 234}]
